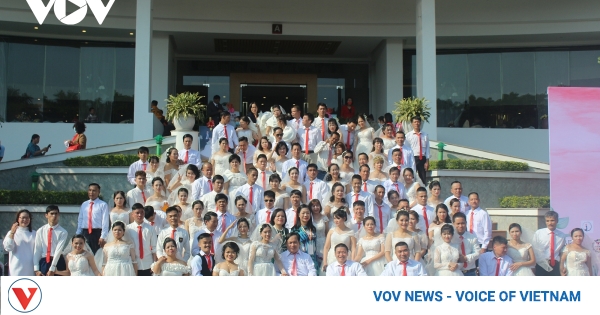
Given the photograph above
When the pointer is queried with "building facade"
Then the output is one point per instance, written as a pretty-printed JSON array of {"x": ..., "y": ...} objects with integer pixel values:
[{"x": 484, "y": 66}]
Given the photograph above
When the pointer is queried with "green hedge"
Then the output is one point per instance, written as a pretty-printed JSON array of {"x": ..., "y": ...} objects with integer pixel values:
[
  {"x": 24, "y": 197},
  {"x": 103, "y": 160},
  {"x": 491, "y": 165},
  {"x": 525, "y": 202}
]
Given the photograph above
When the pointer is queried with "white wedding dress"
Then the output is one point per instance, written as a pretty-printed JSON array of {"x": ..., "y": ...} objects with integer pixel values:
[
  {"x": 221, "y": 163},
  {"x": 576, "y": 263},
  {"x": 263, "y": 257},
  {"x": 365, "y": 143},
  {"x": 337, "y": 238},
  {"x": 371, "y": 248},
  {"x": 236, "y": 180},
  {"x": 225, "y": 273},
  {"x": 117, "y": 259},
  {"x": 173, "y": 269},
  {"x": 79, "y": 265},
  {"x": 445, "y": 254},
  {"x": 520, "y": 255}
]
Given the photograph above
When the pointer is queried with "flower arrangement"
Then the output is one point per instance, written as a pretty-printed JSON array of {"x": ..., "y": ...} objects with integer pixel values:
[{"x": 184, "y": 105}]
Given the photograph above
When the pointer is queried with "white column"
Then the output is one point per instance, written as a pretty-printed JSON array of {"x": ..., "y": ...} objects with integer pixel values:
[
  {"x": 387, "y": 76},
  {"x": 159, "y": 91},
  {"x": 426, "y": 61},
  {"x": 142, "y": 117}
]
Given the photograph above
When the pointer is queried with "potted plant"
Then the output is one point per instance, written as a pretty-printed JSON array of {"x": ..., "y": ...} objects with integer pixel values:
[
  {"x": 183, "y": 109},
  {"x": 407, "y": 108}
]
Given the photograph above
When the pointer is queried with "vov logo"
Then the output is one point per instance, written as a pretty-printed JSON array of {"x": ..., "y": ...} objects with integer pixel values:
[
  {"x": 98, "y": 8},
  {"x": 24, "y": 295}
]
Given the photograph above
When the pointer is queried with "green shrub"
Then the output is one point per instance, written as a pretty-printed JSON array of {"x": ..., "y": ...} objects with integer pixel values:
[
  {"x": 24, "y": 197},
  {"x": 525, "y": 202},
  {"x": 102, "y": 160},
  {"x": 488, "y": 165}
]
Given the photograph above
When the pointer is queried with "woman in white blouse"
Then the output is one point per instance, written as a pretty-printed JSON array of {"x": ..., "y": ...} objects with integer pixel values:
[
  {"x": 19, "y": 243},
  {"x": 169, "y": 265}
]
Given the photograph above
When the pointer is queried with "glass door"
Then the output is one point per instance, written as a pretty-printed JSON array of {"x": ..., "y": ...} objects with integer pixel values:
[{"x": 267, "y": 95}]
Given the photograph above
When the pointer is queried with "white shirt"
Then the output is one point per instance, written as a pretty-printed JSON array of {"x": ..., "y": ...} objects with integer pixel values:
[
  {"x": 397, "y": 186},
  {"x": 149, "y": 243},
  {"x": 295, "y": 123},
  {"x": 219, "y": 132},
  {"x": 135, "y": 196},
  {"x": 209, "y": 201},
  {"x": 430, "y": 216},
  {"x": 343, "y": 130},
  {"x": 304, "y": 264},
  {"x": 464, "y": 203},
  {"x": 290, "y": 215},
  {"x": 488, "y": 265},
  {"x": 248, "y": 158},
  {"x": 182, "y": 238},
  {"x": 225, "y": 219},
  {"x": 261, "y": 216},
  {"x": 193, "y": 157},
  {"x": 413, "y": 140},
  {"x": 160, "y": 221},
  {"x": 321, "y": 124},
  {"x": 58, "y": 242},
  {"x": 367, "y": 197},
  {"x": 301, "y": 164},
  {"x": 134, "y": 167},
  {"x": 314, "y": 136},
  {"x": 408, "y": 157},
  {"x": 370, "y": 186},
  {"x": 383, "y": 219},
  {"x": 319, "y": 189},
  {"x": 541, "y": 247},
  {"x": 216, "y": 234},
  {"x": 20, "y": 251},
  {"x": 352, "y": 269},
  {"x": 396, "y": 268},
  {"x": 263, "y": 179},
  {"x": 356, "y": 226},
  {"x": 482, "y": 226},
  {"x": 200, "y": 187},
  {"x": 472, "y": 248},
  {"x": 100, "y": 217},
  {"x": 196, "y": 264},
  {"x": 324, "y": 155},
  {"x": 257, "y": 202}
]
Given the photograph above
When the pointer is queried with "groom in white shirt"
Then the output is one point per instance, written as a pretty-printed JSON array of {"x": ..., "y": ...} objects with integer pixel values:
[
  {"x": 343, "y": 267},
  {"x": 404, "y": 266},
  {"x": 295, "y": 261}
]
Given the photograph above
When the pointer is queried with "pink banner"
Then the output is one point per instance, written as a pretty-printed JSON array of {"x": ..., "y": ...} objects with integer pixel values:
[{"x": 574, "y": 126}]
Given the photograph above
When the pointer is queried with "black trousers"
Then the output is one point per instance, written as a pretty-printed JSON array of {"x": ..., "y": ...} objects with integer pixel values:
[
  {"x": 144, "y": 273},
  {"x": 45, "y": 267},
  {"x": 92, "y": 239},
  {"x": 539, "y": 271},
  {"x": 420, "y": 165}
]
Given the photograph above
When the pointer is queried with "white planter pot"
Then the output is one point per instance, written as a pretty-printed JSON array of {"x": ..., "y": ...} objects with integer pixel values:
[
  {"x": 407, "y": 127},
  {"x": 184, "y": 123}
]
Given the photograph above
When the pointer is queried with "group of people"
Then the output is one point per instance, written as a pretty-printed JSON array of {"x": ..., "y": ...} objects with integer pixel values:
[{"x": 262, "y": 213}]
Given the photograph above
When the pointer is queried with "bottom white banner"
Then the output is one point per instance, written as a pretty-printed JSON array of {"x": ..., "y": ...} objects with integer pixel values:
[{"x": 297, "y": 295}]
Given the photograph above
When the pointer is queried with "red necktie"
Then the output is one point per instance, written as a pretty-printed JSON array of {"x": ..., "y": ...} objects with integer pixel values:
[
  {"x": 244, "y": 162},
  {"x": 323, "y": 128},
  {"x": 173, "y": 233},
  {"x": 380, "y": 218},
  {"x": 90, "y": 224},
  {"x": 343, "y": 273},
  {"x": 498, "y": 260},
  {"x": 397, "y": 189},
  {"x": 359, "y": 225},
  {"x": 141, "y": 240},
  {"x": 185, "y": 159},
  {"x": 210, "y": 185},
  {"x": 144, "y": 196},
  {"x": 329, "y": 155},
  {"x": 401, "y": 156},
  {"x": 404, "y": 273},
  {"x": 471, "y": 221},
  {"x": 462, "y": 248},
  {"x": 209, "y": 261},
  {"x": 251, "y": 195},
  {"x": 152, "y": 223},
  {"x": 225, "y": 128},
  {"x": 552, "y": 261},
  {"x": 297, "y": 123},
  {"x": 365, "y": 186},
  {"x": 348, "y": 140},
  {"x": 306, "y": 142},
  {"x": 144, "y": 167},
  {"x": 49, "y": 249},
  {"x": 264, "y": 180},
  {"x": 425, "y": 218},
  {"x": 212, "y": 245},
  {"x": 294, "y": 267},
  {"x": 356, "y": 197},
  {"x": 223, "y": 223},
  {"x": 295, "y": 217},
  {"x": 298, "y": 165},
  {"x": 310, "y": 192},
  {"x": 268, "y": 216},
  {"x": 420, "y": 147}
]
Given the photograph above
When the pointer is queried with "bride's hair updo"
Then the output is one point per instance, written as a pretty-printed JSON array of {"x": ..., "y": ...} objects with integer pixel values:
[
  {"x": 167, "y": 241},
  {"x": 169, "y": 151},
  {"x": 155, "y": 179},
  {"x": 118, "y": 223}
]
